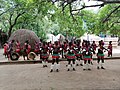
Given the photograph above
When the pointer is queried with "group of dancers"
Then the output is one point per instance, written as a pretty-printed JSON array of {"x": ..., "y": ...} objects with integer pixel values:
[{"x": 75, "y": 52}]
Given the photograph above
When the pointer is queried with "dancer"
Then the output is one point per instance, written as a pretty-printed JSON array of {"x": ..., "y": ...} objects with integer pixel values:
[
  {"x": 18, "y": 48},
  {"x": 71, "y": 57},
  {"x": 100, "y": 57},
  {"x": 87, "y": 56},
  {"x": 44, "y": 54},
  {"x": 110, "y": 49},
  {"x": 37, "y": 48},
  {"x": 6, "y": 47},
  {"x": 55, "y": 57},
  {"x": 27, "y": 49},
  {"x": 79, "y": 54}
]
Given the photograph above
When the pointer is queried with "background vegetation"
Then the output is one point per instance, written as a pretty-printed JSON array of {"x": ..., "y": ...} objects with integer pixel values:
[{"x": 43, "y": 16}]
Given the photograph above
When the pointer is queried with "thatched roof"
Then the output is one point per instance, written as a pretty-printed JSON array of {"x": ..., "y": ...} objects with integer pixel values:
[{"x": 22, "y": 35}]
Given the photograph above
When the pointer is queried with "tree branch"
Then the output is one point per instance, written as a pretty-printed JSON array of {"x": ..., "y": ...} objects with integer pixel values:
[
  {"x": 106, "y": 19},
  {"x": 71, "y": 12},
  {"x": 9, "y": 9},
  {"x": 10, "y": 19},
  {"x": 15, "y": 21},
  {"x": 110, "y": 1},
  {"x": 114, "y": 24},
  {"x": 63, "y": 6},
  {"x": 17, "y": 18},
  {"x": 88, "y": 7}
]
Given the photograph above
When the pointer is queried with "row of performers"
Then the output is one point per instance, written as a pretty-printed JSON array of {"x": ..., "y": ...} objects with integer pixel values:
[
  {"x": 13, "y": 48},
  {"x": 75, "y": 56},
  {"x": 8, "y": 47},
  {"x": 73, "y": 52}
]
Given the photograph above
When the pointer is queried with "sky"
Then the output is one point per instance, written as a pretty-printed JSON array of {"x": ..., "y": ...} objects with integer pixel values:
[
  {"x": 92, "y": 2},
  {"x": 79, "y": 3}
]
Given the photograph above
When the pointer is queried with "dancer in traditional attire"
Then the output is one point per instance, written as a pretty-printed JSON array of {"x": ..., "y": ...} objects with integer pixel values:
[
  {"x": 110, "y": 49},
  {"x": 50, "y": 45},
  {"x": 44, "y": 54},
  {"x": 6, "y": 47},
  {"x": 65, "y": 45},
  {"x": 27, "y": 49},
  {"x": 79, "y": 54},
  {"x": 100, "y": 57},
  {"x": 18, "y": 48},
  {"x": 83, "y": 44},
  {"x": 87, "y": 57},
  {"x": 37, "y": 48},
  {"x": 11, "y": 48},
  {"x": 94, "y": 46},
  {"x": 55, "y": 57},
  {"x": 71, "y": 57}
]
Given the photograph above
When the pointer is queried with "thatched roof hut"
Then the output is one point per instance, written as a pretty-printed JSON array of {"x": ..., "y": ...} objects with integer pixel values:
[{"x": 22, "y": 35}]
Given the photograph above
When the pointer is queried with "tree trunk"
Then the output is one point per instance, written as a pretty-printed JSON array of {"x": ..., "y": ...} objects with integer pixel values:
[{"x": 10, "y": 31}]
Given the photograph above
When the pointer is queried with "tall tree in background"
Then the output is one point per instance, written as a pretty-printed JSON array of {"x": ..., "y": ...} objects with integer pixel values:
[
  {"x": 58, "y": 16},
  {"x": 109, "y": 19}
]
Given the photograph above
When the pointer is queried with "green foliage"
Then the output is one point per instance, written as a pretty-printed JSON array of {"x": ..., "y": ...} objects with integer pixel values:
[
  {"x": 43, "y": 17},
  {"x": 110, "y": 26}
]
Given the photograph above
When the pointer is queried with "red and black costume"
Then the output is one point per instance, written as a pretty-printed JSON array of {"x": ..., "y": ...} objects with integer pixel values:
[
  {"x": 79, "y": 55},
  {"x": 6, "y": 47},
  {"x": 50, "y": 47},
  {"x": 71, "y": 56},
  {"x": 10, "y": 50},
  {"x": 44, "y": 54},
  {"x": 110, "y": 49},
  {"x": 65, "y": 45},
  {"x": 87, "y": 56},
  {"x": 94, "y": 46},
  {"x": 55, "y": 57},
  {"x": 83, "y": 44},
  {"x": 18, "y": 48},
  {"x": 27, "y": 49},
  {"x": 37, "y": 48},
  {"x": 100, "y": 56}
]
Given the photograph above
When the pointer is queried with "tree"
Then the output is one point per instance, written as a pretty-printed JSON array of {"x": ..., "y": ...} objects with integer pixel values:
[
  {"x": 16, "y": 14},
  {"x": 58, "y": 16},
  {"x": 81, "y": 4},
  {"x": 100, "y": 24},
  {"x": 109, "y": 21},
  {"x": 12, "y": 11}
]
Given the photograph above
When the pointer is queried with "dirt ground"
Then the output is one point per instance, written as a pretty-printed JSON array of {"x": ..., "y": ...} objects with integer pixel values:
[{"x": 35, "y": 77}]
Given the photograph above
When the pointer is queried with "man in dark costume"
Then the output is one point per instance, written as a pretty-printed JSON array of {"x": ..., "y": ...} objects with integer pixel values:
[
  {"x": 44, "y": 54},
  {"x": 18, "y": 48},
  {"x": 65, "y": 45},
  {"x": 94, "y": 46},
  {"x": 110, "y": 49},
  {"x": 79, "y": 54},
  {"x": 27, "y": 49},
  {"x": 10, "y": 50},
  {"x": 55, "y": 57},
  {"x": 50, "y": 45},
  {"x": 100, "y": 57},
  {"x": 71, "y": 56},
  {"x": 6, "y": 47},
  {"x": 37, "y": 48},
  {"x": 87, "y": 56}
]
